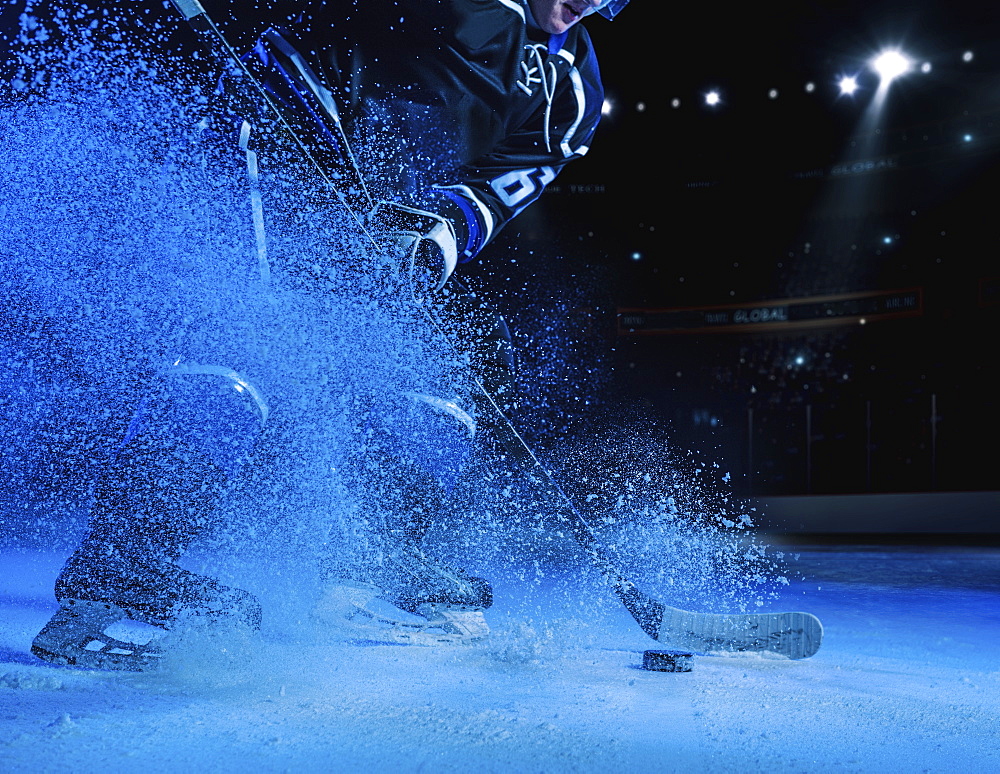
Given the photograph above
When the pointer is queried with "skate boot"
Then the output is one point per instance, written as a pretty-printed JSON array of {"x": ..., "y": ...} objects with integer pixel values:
[
  {"x": 148, "y": 508},
  {"x": 412, "y": 579},
  {"x": 152, "y": 591},
  {"x": 446, "y": 603},
  {"x": 384, "y": 575}
]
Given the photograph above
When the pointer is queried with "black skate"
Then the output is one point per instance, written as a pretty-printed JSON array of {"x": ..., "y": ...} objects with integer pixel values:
[
  {"x": 152, "y": 502},
  {"x": 76, "y": 636},
  {"x": 412, "y": 579},
  {"x": 96, "y": 592}
]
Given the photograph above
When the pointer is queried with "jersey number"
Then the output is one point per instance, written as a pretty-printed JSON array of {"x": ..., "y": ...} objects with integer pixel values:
[{"x": 519, "y": 187}]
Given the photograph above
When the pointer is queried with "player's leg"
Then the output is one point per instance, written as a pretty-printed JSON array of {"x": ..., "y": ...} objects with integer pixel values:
[
  {"x": 444, "y": 438},
  {"x": 402, "y": 474},
  {"x": 411, "y": 456},
  {"x": 188, "y": 440}
]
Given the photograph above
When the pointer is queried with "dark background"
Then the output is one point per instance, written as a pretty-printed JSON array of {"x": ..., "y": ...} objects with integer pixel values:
[
  {"x": 787, "y": 200},
  {"x": 782, "y": 203}
]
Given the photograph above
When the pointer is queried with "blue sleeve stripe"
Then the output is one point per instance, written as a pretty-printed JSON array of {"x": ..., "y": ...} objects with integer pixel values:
[{"x": 477, "y": 234}]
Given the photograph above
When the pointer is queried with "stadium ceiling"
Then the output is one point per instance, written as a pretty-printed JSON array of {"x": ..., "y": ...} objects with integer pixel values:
[{"x": 780, "y": 55}]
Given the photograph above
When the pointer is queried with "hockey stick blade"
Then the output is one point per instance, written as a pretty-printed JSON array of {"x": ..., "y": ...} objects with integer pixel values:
[
  {"x": 647, "y": 612},
  {"x": 794, "y": 635}
]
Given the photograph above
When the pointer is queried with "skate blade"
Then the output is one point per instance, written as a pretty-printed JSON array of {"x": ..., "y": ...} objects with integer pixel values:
[
  {"x": 468, "y": 622},
  {"x": 75, "y": 636},
  {"x": 446, "y": 627},
  {"x": 793, "y": 635},
  {"x": 353, "y": 610}
]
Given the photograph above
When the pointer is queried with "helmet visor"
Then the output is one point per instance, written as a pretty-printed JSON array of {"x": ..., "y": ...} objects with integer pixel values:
[{"x": 609, "y": 9}]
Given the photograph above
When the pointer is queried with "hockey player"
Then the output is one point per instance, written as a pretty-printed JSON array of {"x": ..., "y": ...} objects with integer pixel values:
[{"x": 483, "y": 102}]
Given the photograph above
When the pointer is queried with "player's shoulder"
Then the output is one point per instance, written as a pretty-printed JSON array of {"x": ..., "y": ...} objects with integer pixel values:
[
  {"x": 579, "y": 48},
  {"x": 478, "y": 23}
]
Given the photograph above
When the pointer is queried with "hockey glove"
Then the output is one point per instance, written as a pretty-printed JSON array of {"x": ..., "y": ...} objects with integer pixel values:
[{"x": 424, "y": 243}]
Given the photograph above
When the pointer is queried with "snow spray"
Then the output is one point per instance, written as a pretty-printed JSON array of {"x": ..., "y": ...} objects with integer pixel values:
[{"x": 133, "y": 240}]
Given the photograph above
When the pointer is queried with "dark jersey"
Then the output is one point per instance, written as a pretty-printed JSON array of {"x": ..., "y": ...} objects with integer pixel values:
[{"x": 461, "y": 106}]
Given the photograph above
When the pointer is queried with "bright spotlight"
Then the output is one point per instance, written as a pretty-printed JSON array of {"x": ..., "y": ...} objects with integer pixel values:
[
  {"x": 713, "y": 98},
  {"x": 925, "y": 67},
  {"x": 848, "y": 85},
  {"x": 890, "y": 64},
  {"x": 607, "y": 107},
  {"x": 967, "y": 137},
  {"x": 636, "y": 256},
  {"x": 810, "y": 87},
  {"x": 675, "y": 103},
  {"x": 967, "y": 56},
  {"x": 772, "y": 94}
]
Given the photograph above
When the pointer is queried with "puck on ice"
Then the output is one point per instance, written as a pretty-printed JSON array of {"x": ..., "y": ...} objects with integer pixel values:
[{"x": 667, "y": 661}]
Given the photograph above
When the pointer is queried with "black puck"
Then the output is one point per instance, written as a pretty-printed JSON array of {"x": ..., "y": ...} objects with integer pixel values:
[{"x": 667, "y": 661}]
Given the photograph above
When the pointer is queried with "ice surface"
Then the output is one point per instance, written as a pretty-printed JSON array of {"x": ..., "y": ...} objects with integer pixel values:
[{"x": 907, "y": 680}]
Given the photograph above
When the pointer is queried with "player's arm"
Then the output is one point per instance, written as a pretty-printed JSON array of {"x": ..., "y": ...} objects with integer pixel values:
[{"x": 497, "y": 186}]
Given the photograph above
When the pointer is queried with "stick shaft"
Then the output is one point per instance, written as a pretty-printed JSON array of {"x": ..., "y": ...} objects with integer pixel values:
[{"x": 647, "y": 612}]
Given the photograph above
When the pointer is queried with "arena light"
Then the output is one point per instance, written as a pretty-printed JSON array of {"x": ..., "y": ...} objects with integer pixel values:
[
  {"x": 890, "y": 65},
  {"x": 713, "y": 98},
  {"x": 848, "y": 85}
]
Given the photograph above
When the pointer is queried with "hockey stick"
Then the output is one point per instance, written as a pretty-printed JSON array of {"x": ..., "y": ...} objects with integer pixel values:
[
  {"x": 346, "y": 183},
  {"x": 796, "y": 635}
]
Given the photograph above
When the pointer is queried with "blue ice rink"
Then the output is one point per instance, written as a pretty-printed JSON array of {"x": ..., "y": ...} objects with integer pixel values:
[{"x": 906, "y": 681}]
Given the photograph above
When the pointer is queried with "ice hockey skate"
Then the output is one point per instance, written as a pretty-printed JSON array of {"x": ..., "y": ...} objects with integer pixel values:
[
  {"x": 444, "y": 605},
  {"x": 97, "y": 593},
  {"x": 149, "y": 507}
]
